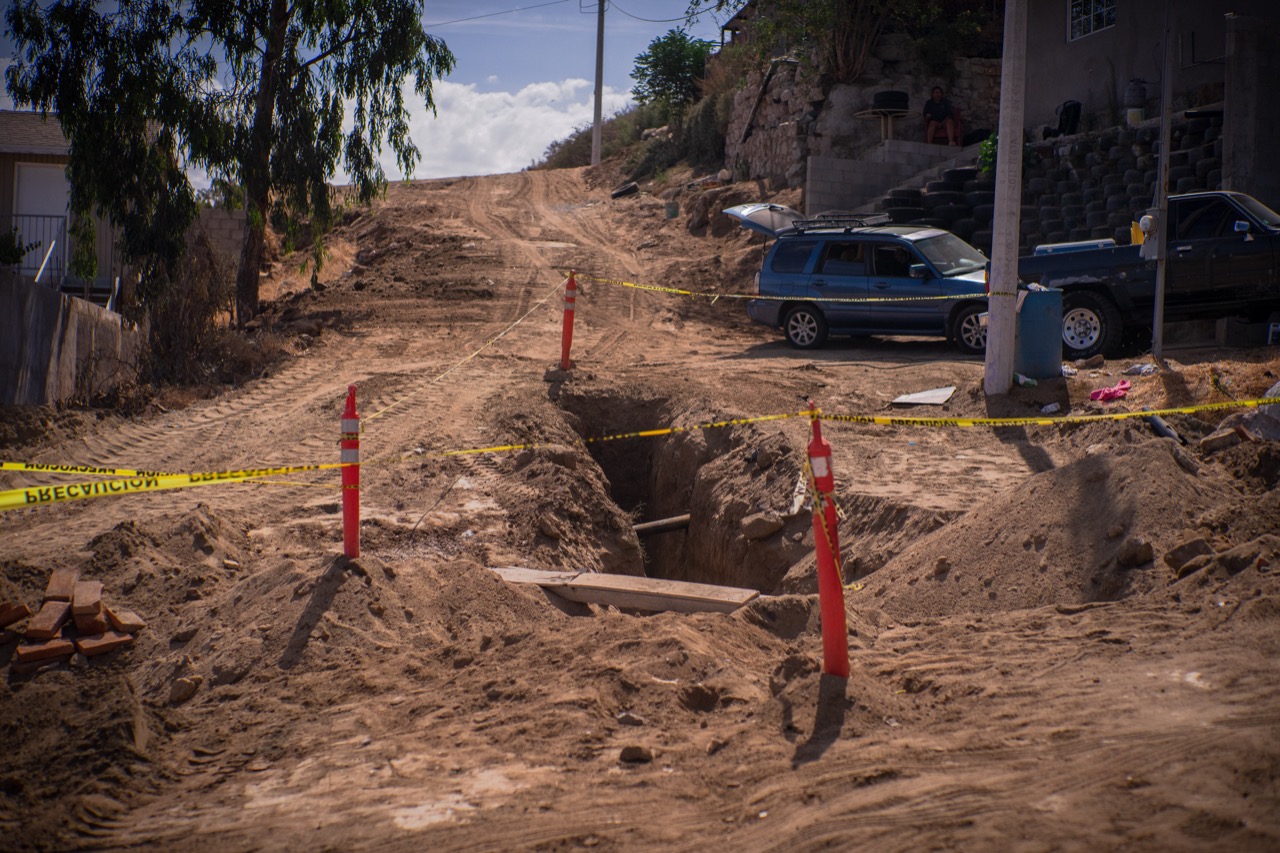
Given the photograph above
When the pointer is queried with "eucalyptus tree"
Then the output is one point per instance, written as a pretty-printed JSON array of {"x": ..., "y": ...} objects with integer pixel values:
[{"x": 272, "y": 95}]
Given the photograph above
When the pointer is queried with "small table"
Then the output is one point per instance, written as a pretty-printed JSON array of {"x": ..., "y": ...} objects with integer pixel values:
[{"x": 886, "y": 117}]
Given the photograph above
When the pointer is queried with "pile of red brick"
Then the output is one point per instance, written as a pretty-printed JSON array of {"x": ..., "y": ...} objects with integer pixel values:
[{"x": 72, "y": 618}]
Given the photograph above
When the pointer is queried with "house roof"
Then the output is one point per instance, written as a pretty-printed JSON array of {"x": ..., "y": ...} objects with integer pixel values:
[
  {"x": 30, "y": 133},
  {"x": 743, "y": 17}
]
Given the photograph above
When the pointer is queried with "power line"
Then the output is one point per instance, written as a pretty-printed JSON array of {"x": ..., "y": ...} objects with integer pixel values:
[
  {"x": 617, "y": 8},
  {"x": 493, "y": 14},
  {"x": 658, "y": 20}
]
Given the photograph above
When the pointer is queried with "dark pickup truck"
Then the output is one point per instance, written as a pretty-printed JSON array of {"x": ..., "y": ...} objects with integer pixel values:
[{"x": 1223, "y": 261}]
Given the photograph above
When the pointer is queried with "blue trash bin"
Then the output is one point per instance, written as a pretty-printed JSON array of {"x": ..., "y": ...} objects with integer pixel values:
[{"x": 1038, "y": 335}]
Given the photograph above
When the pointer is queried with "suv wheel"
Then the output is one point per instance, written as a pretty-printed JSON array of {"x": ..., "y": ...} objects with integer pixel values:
[
  {"x": 1090, "y": 324},
  {"x": 967, "y": 330},
  {"x": 805, "y": 327}
]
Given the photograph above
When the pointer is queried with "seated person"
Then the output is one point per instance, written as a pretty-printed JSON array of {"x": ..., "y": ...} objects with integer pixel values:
[
  {"x": 939, "y": 114},
  {"x": 844, "y": 259},
  {"x": 892, "y": 262}
]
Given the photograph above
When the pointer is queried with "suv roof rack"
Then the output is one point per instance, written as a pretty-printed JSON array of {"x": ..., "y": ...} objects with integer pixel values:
[{"x": 846, "y": 221}]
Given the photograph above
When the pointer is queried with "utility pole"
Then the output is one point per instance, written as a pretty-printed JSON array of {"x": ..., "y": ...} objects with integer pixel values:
[
  {"x": 595, "y": 128},
  {"x": 1002, "y": 304},
  {"x": 1161, "y": 232}
]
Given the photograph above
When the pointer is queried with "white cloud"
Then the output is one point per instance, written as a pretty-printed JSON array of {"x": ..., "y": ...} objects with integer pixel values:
[{"x": 485, "y": 133}]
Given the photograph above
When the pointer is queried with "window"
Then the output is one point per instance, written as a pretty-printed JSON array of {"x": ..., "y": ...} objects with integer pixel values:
[
  {"x": 792, "y": 256},
  {"x": 1089, "y": 16},
  {"x": 1204, "y": 219},
  {"x": 843, "y": 258},
  {"x": 892, "y": 260}
]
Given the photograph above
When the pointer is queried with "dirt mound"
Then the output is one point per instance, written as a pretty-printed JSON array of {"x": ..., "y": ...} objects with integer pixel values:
[
  {"x": 1071, "y": 535},
  {"x": 91, "y": 737},
  {"x": 873, "y": 531}
]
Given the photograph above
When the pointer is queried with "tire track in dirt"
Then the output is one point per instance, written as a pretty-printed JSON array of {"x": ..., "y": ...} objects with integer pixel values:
[{"x": 917, "y": 797}]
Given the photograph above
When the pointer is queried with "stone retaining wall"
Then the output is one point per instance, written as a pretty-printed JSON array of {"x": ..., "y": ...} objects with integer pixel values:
[{"x": 771, "y": 134}]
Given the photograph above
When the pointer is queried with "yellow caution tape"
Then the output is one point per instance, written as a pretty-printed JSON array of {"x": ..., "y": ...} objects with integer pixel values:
[
  {"x": 43, "y": 495},
  {"x": 138, "y": 481},
  {"x": 76, "y": 469},
  {"x": 650, "y": 433},
  {"x": 646, "y": 433},
  {"x": 1044, "y": 421},
  {"x": 714, "y": 296}
]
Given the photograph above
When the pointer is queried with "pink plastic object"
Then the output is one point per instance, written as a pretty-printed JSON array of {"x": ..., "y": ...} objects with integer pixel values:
[{"x": 1120, "y": 389}]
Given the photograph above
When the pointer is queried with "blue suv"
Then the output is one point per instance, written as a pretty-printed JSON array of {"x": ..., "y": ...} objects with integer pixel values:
[{"x": 859, "y": 275}]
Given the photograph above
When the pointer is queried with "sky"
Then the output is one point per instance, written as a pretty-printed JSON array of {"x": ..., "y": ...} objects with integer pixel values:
[
  {"x": 522, "y": 80},
  {"x": 526, "y": 79}
]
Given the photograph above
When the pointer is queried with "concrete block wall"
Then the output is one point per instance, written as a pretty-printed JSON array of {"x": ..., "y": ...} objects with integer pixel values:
[
  {"x": 849, "y": 184},
  {"x": 225, "y": 229},
  {"x": 1252, "y": 68},
  {"x": 55, "y": 348}
]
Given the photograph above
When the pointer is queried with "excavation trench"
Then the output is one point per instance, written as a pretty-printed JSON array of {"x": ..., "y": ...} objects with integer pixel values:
[{"x": 734, "y": 483}]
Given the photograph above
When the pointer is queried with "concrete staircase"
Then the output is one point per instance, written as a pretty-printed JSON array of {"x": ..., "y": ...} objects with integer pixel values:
[{"x": 839, "y": 184}]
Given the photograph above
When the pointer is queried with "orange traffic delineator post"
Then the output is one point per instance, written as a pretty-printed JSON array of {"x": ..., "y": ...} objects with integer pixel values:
[
  {"x": 566, "y": 336},
  {"x": 351, "y": 476},
  {"x": 826, "y": 542}
]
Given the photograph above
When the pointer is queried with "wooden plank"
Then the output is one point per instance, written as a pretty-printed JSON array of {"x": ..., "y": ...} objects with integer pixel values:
[
  {"x": 654, "y": 594},
  {"x": 633, "y": 592},
  {"x": 549, "y": 579}
]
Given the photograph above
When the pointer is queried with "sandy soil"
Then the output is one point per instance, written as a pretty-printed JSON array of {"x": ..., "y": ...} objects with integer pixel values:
[{"x": 1036, "y": 662}]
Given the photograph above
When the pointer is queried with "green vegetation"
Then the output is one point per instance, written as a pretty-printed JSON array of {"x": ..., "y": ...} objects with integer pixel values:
[
  {"x": 12, "y": 249},
  {"x": 697, "y": 139},
  {"x": 255, "y": 92},
  {"x": 837, "y": 36},
  {"x": 989, "y": 150},
  {"x": 668, "y": 73},
  {"x": 680, "y": 90}
]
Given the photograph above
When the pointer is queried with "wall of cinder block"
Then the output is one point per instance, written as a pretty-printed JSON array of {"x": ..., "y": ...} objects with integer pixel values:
[{"x": 224, "y": 228}]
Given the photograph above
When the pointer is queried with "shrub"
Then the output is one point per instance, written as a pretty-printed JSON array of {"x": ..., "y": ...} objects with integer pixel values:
[
  {"x": 617, "y": 133},
  {"x": 653, "y": 156},
  {"x": 185, "y": 306},
  {"x": 990, "y": 147},
  {"x": 705, "y": 127},
  {"x": 12, "y": 249}
]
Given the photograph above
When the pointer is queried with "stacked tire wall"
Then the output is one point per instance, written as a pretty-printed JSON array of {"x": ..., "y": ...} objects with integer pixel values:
[{"x": 1083, "y": 187}]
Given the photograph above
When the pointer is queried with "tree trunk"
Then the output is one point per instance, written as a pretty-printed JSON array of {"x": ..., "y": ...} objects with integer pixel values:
[{"x": 256, "y": 168}]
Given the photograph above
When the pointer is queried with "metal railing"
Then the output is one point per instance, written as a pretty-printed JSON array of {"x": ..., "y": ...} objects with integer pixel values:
[{"x": 47, "y": 238}]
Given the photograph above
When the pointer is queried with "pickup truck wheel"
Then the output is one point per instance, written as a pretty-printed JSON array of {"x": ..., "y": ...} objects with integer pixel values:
[
  {"x": 967, "y": 330},
  {"x": 1090, "y": 325},
  {"x": 805, "y": 327}
]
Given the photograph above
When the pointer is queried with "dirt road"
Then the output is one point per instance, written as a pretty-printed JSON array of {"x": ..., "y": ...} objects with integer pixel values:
[{"x": 1037, "y": 663}]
